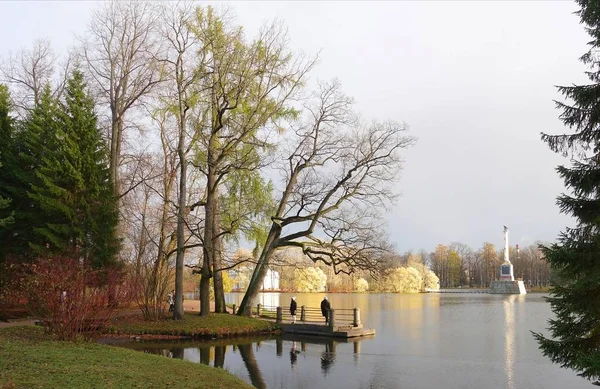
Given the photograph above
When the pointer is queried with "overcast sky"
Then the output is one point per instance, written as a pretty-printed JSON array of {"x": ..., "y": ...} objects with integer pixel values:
[{"x": 473, "y": 80}]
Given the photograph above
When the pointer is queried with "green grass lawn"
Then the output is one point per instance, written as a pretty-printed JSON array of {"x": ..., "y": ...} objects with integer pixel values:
[
  {"x": 538, "y": 289},
  {"x": 216, "y": 325},
  {"x": 30, "y": 359}
]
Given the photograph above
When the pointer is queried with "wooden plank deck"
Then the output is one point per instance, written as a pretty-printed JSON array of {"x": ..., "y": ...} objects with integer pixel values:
[{"x": 323, "y": 330}]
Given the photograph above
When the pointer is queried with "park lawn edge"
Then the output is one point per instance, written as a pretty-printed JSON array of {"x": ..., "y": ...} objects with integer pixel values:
[
  {"x": 31, "y": 358},
  {"x": 216, "y": 325}
]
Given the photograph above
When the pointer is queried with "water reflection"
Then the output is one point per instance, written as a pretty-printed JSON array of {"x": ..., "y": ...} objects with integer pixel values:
[
  {"x": 293, "y": 355},
  {"x": 509, "y": 339},
  {"x": 220, "y": 356},
  {"x": 249, "y": 359},
  {"x": 328, "y": 357},
  {"x": 177, "y": 353},
  {"x": 449, "y": 341},
  {"x": 204, "y": 355},
  {"x": 214, "y": 353}
]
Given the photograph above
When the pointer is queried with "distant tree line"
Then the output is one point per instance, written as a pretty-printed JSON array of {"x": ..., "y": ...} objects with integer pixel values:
[
  {"x": 298, "y": 273},
  {"x": 457, "y": 265}
]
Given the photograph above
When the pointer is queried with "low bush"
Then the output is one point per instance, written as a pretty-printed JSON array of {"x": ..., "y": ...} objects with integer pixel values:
[{"x": 72, "y": 299}]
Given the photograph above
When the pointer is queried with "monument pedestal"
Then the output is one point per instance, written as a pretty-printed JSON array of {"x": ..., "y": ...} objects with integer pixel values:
[
  {"x": 507, "y": 284},
  {"x": 507, "y": 287},
  {"x": 506, "y": 271}
]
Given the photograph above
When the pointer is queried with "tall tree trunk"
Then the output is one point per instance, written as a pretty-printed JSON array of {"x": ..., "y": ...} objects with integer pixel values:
[
  {"x": 115, "y": 149},
  {"x": 204, "y": 291},
  {"x": 178, "y": 313},
  {"x": 220, "y": 306},
  {"x": 143, "y": 241},
  {"x": 181, "y": 211},
  {"x": 115, "y": 156},
  {"x": 156, "y": 293},
  {"x": 116, "y": 128},
  {"x": 260, "y": 271},
  {"x": 209, "y": 234}
]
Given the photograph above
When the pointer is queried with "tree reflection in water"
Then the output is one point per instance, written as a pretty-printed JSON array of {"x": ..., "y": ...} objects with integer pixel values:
[
  {"x": 216, "y": 351},
  {"x": 204, "y": 355},
  {"x": 250, "y": 361},
  {"x": 220, "y": 356},
  {"x": 177, "y": 352}
]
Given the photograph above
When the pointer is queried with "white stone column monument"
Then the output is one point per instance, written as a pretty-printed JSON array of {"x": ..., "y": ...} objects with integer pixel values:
[
  {"x": 507, "y": 284},
  {"x": 506, "y": 269}
]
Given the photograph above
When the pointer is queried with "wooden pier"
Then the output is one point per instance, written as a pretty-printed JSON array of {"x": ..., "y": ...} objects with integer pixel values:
[
  {"x": 323, "y": 330},
  {"x": 342, "y": 323}
]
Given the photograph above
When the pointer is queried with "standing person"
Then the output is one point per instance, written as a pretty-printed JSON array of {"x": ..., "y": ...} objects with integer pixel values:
[
  {"x": 171, "y": 301},
  {"x": 293, "y": 307},
  {"x": 325, "y": 307},
  {"x": 63, "y": 301}
]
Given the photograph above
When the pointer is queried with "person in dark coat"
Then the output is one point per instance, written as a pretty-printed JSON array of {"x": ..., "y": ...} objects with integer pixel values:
[
  {"x": 325, "y": 307},
  {"x": 293, "y": 307}
]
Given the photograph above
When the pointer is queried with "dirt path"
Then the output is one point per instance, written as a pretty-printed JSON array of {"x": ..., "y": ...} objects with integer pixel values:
[
  {"x": 190, "y": 306},
  {"x": 20, "y": 322}
]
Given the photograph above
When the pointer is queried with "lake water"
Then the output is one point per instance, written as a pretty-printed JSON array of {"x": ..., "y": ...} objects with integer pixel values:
[{"x": 467, "y": 341}]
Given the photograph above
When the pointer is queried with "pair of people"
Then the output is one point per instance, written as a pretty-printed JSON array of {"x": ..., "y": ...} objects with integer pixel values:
[{"x": 325, "y": 307}]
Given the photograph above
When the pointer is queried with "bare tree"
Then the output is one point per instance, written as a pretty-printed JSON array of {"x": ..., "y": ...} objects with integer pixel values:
[
  {"x": 30, "y": 70},
  {"x": 120, "y": 53},
  {"x": 137, "y": 215},
  {"x": 337, "y": 175},
  {"x": 147, "y": 217},
  {"x": 184, "y": 61}
]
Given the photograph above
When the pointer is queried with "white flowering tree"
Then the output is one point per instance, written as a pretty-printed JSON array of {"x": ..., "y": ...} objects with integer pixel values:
[
  {"x": 361, "y": 285},
  {"x": 430, "y": 280},
  {"x": 310, "y": 279},
  {"x": 401, "y": 280}
]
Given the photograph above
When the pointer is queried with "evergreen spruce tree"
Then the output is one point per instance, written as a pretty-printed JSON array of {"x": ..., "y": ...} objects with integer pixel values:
[
  {"x": 74, "y": 189},
  {"x": 5, "y": 220},
  {"x": 24, "y": 146},
  {"x": 575, "y": 258},
  {"x": 6, "y": 124}
]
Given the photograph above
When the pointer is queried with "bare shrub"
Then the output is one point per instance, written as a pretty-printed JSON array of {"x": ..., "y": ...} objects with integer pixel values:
[
  {"x": 12, "y": 280},
  {"x": 70, "y": 298},
  {"x": 152, "y": 285}
]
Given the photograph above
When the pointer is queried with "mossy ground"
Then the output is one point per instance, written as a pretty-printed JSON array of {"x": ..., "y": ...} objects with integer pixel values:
[
  {"x": 193, "y": 325},
  {"x": 32, "y": 359}
]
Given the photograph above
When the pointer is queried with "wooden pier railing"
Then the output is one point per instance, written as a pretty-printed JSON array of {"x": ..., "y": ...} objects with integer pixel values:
[{"x": 309, "y": 315}]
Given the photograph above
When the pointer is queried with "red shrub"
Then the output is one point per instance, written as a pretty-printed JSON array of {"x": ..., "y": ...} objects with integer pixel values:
[
  {"x": 13, "y": 275},
  {"x": 70, "y": 298}
]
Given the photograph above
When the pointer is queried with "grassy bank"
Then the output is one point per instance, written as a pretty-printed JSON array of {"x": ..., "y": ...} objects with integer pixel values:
[
  {"x": 192, "y": 325},
  {"x": 539, "y": 289},
  {"x": 30, "y": 359}
]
